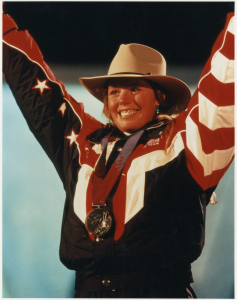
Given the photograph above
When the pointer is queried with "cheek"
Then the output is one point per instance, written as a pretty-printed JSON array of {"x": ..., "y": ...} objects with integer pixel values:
[
  {"x": 149, "y": 105},
  {"x": 112, "y": 106}
]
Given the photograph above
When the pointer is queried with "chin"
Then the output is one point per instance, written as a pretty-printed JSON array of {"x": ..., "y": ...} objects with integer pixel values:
[
  {"x": 130, "y": 127},
  {"x": 127, "y": 129}
]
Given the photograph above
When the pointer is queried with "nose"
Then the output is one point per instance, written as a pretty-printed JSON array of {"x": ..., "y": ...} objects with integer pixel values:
[{"x": 125, "y": 96}]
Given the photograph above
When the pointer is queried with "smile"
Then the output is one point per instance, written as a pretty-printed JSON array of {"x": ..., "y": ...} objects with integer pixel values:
[{"x": 128, "y": 113}]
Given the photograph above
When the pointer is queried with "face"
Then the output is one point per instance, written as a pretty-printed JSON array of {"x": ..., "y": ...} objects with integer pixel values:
[{"x": 132, "y": 103}]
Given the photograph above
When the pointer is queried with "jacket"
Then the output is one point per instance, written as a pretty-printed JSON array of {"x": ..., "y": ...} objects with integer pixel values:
[{"x": 158, "y": 204}]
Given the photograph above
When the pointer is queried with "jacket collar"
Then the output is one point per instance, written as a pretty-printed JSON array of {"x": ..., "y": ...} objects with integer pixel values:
[{"x": 153, "y": 130}]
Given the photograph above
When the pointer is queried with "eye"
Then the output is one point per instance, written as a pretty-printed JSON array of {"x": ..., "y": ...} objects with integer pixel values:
[
  {"x": 112, "y": 92},
  {"x": 135, "y": 89}
]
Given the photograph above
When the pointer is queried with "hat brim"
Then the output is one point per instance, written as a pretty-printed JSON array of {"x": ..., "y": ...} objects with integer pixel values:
[{"x": 177, "y": 92}]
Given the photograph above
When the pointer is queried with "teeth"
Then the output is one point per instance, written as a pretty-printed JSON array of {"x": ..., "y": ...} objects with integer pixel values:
[{"x": 127, "y": 112}]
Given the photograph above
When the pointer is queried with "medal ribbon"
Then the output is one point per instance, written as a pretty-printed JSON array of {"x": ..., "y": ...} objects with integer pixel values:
[{"x": 103, "y": 185}]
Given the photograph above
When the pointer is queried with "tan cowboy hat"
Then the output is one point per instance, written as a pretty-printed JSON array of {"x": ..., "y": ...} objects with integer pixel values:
[{"x": 135, "y": 60}]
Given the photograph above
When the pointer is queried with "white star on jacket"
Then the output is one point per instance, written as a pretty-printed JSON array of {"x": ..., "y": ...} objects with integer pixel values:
[
  {"x": 63, "y": 108},
  {"x": 41, "y": 85},
  {"x": 72, "y": 137}
]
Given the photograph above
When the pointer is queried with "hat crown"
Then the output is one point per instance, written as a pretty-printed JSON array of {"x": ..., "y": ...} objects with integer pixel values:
[{"x": 136, "y": 58}]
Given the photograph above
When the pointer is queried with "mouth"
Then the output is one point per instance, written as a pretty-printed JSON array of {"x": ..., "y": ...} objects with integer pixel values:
[{"x": 128, "y": 113}]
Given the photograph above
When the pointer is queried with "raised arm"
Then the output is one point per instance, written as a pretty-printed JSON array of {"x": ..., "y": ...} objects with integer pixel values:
[
  {"x": 53, "y": 116},
  {"x": 209, "y": 134}
]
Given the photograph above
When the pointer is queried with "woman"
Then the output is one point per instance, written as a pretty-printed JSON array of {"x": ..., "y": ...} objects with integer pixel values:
[{"x": 133, "y": 222}]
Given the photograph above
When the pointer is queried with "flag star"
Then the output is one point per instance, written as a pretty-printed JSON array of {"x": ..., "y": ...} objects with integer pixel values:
[
  {"x": 41, "y": 85},
  {"x": 72, "y": 137},
  {"x": 63, "y": 108}
]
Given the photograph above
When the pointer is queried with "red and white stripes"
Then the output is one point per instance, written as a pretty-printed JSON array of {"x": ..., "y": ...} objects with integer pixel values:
[{"x": 210, "y": 115}]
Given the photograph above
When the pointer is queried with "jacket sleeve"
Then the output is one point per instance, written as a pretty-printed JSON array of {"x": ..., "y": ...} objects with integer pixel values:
[
  {"x": 209, "y": 118},
  {"x": 53, "y": 116}
]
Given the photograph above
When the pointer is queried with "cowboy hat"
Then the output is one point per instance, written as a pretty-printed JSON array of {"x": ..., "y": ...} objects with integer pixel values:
[{"x": 139, "y": 61}]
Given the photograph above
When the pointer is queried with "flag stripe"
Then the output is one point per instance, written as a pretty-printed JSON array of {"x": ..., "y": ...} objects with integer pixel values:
[
  {"x": 222, "y": 68},
  {"x": 214, "y": 117},
  {"x": 81, "y": 192},
  {"x": 197, "y": 172},
  {"x": 216, "y": 160},
  {"x": 222, "y": 94},
  {"x": 228, "y": 49}
]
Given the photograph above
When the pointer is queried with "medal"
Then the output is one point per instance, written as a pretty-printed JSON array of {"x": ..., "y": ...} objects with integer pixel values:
[{"x": 98, "y": 221}]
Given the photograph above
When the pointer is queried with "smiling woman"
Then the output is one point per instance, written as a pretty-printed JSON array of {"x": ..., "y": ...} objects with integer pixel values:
[
  {"x": 136, "y": 188},
  {"x": 132, "y": 103}
]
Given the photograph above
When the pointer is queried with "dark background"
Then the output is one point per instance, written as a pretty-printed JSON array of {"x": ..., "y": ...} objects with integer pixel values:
[{"x": 91, "y": 32}]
